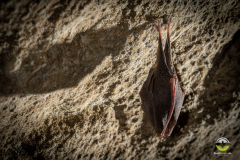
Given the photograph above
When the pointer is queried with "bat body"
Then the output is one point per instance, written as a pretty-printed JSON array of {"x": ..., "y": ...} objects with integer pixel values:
[{"x": 161, "y": 94}]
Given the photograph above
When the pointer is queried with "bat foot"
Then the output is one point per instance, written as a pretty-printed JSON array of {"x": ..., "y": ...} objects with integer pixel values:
[
  {"x": 170, "y": 20},
  {"x": 159, "y": 22}
]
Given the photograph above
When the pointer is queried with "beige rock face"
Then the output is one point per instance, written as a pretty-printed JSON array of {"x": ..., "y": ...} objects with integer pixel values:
[{"x": 70, "y": 74}]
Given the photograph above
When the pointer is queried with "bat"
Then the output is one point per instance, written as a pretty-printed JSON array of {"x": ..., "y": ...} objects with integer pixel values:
[{"x": 161, "y": 94}]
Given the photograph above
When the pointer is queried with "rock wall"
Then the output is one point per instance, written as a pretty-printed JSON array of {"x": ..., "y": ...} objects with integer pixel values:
[{"x": 70, "y": 74}]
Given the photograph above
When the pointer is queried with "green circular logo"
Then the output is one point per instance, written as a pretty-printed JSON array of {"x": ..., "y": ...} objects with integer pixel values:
[
  {"x": 225, "y": 141},
  {"x": 222, "y": 149}
]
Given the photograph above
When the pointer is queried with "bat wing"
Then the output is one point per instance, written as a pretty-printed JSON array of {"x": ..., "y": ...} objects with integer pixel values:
[
  {"x": 161, "y": 109},
  {"x": 177, "y": 108},
  {"x": 146, "y": 97},
  {"x": 168, "y": 111}
]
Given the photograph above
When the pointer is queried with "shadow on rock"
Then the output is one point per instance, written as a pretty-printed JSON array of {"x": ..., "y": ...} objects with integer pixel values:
[
  {"x": 222, "y": 83},
  {"x": 64, "y": 65}
]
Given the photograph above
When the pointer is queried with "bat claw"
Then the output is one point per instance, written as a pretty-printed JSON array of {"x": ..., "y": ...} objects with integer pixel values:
[
  {"x": 159, "y": 22},
  {"x": 170, "y": 20}
]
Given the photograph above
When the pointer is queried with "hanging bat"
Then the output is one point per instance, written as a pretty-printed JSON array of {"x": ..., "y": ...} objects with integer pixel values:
[{"x": 161, "y": 94}]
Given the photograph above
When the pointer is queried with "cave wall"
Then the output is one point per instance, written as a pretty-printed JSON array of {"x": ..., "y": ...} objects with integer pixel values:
[{"x": 71, "y": 72}]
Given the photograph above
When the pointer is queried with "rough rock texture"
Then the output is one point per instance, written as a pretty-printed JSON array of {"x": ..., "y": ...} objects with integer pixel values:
[{"x": 70, "y": 74}]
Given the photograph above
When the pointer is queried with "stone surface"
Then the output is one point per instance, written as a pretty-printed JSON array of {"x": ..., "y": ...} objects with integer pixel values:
[{"x": 70, "y": 74}]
